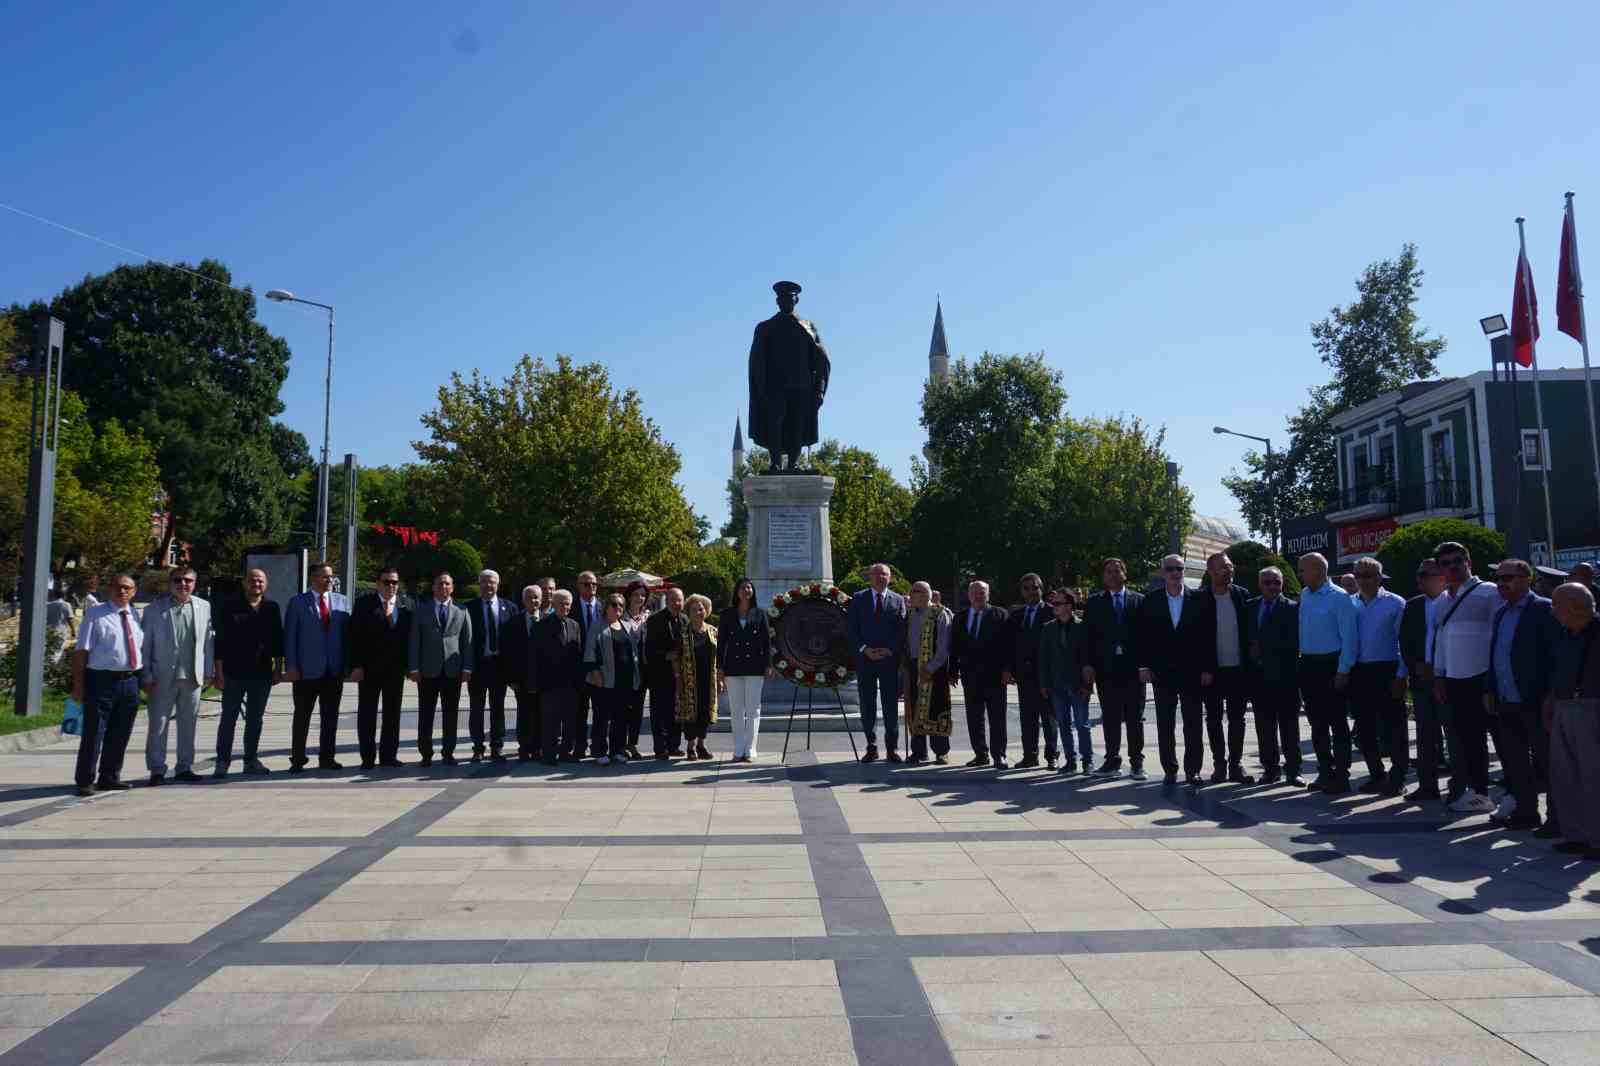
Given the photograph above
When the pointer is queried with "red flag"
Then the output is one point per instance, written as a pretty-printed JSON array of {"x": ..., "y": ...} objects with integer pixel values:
[
  {"x": 1524, "y": 313},
  {"x": 1569, "y": 310}
]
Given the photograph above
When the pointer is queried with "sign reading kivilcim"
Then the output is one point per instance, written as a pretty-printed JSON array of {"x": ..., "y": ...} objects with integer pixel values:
[{"x": 789, "y": 542}]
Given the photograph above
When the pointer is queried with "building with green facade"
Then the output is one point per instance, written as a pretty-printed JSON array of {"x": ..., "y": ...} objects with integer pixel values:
[{"x": 1469, "y": 448}]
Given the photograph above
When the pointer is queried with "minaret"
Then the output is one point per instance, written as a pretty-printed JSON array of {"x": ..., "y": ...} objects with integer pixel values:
[
  {"x": 938, "y": 362},
  {"x": 738, "y": 447}
]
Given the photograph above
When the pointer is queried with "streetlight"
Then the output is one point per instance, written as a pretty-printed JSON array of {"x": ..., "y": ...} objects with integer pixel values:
[
  {"x": 1272, "y": 491},
  {"x": 285, "y": 296}
]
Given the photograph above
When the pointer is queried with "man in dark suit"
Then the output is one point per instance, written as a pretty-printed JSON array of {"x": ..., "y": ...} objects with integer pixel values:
[
  {"x": 439, "y": 659},
  {"x": 662, "y": 634},
  {"x": 1416, "y": 632},
  {"x": 519, "y": 647},
  {"x": 380, "y": 631},
  {"x": 1226, "y": 693},
  {"x": 588, "y": 611},
  {"x": 1522, "y": 659},
  {"x": 980, "y": 657},
  {"x": 1272, "y": 627},
  {"x": 556, "y": 672},
  {"x": 1178, "y": 655},
  {"x": 1111, "y": 665},
  {"x": 876, "y": 622},
  {"x": 494, "y": 620},
  {"x": 1027, "y": 622}
]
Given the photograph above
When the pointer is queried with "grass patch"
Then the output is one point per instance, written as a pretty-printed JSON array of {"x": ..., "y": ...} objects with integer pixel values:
[{"x": 55, "y": 705}]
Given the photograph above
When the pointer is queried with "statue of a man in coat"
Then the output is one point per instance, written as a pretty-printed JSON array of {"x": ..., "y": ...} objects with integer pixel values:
[{"x": 788, "y": 378}]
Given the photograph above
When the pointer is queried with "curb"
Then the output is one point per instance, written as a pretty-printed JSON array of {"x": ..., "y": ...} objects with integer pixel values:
[{"x": 33, "y": 738}]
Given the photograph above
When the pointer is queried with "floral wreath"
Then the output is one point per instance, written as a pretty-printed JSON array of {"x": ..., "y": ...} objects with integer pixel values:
[{"x": 820, "y": 592}]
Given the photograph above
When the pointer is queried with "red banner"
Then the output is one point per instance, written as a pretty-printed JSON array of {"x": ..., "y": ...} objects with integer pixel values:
[
  {"x": 408, "y": 535},
  {"x": 1364, "y": 538}
]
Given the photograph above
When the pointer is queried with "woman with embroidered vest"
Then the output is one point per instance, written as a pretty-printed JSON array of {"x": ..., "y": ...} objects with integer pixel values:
[
  {"x": 744, "y": 655},
  {"x": 698, "y": 679},
  {"x": 611, "y": 661}
]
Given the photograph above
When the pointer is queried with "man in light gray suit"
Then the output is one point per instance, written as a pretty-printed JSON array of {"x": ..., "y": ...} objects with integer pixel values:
[
  {"x": 439, "y": 659},
  {"x": 178, "y": 661}
]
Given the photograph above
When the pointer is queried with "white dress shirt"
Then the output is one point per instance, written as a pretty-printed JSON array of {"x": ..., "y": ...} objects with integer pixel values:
[
  {"x": 103, "y": 637},
  {"x": 1463, "y": 631},
  {"x": 1174, "y": 607}
]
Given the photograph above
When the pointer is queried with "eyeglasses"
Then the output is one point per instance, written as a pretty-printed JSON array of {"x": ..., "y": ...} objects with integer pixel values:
[
  {"x": 390, "y": 581},
  {"x": 1505, "y": 578},
  {"x": 1172, "y": 569},
  {"x": 183, "y": 581},
  {"x": 1270, "y": 581},
  {"x": 588, "y": 582}
]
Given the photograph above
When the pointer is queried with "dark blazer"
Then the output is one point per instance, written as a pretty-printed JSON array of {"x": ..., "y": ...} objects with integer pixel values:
[
  {"x": 662, "y": 634},
  {"x": 519, "y": 646},
  {"x": 555, "y": 659},
  {"x": 376, "y": 647},
  {"x": 1274, "y": 648},
  {"x": 1533, "y": 650},
  {"x": 743, "y": 651},
  {"x": 864, "y": 629},
  {"x": 1239, "y": 597},
  {"x": 1024, "y": 645},
  {"x": 505, "y": 633},
  {"x": 1191, "y": 648},
  {"x": 1060, "y": 655},
  {"x": 1104, "y": 633},
  {"x": 1414, "y": 633},
  {"x": 980, "y": 662}
]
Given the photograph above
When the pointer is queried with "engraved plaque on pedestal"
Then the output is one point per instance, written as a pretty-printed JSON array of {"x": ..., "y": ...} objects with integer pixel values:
[{"x": 789, "y": 548}]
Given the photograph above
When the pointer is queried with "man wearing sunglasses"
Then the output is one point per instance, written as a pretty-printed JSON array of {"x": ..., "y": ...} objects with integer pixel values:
[
  {"x": 179, "y": 659},
  {"x": 380, "y": 630},
  {"x": 1327, "y": 655},
  {"x": 1177, "y": 649},
  {"x": 1460, "y": 654},
  {"x": 1522, "y": 660},
  {"x": 1273, "y": 621}
]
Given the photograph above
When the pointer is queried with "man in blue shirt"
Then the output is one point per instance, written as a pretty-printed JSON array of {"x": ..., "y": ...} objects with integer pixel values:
[
  {"x": 1327, "y": 655},
  {"x": 1522, "y": 660},
  {"x": 1378, "y": 680}
]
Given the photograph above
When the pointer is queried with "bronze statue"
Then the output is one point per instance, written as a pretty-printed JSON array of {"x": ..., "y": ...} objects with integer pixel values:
[{"x": 788, "y": 378}]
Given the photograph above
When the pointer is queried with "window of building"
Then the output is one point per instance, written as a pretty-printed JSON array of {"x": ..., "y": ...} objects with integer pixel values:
[
  {"x": 1386, "y": 464},
  {"x": 1535, "y": 449}
]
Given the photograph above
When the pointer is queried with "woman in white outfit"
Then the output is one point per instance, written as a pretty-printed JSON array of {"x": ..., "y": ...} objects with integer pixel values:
[{"x": 744, "y": 652}]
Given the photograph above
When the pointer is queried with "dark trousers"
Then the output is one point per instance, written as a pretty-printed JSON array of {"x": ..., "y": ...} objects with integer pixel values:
[
  {"x": 445, "y": 693},
  {"x": 986, "y": 704},
  {"x": 1326, "y": 708},
  {"x": 1179, "y": 693},
  {"x": 487, "y": 685},
  {"x": 1277, "y": 706},
  {"x": 665, "y": 731},
  {"x": 1122, "y": 707},
  {"x": 558, "y": 712},
  {"x": 919, "y": 746},
  {"x": 1036, "y": 712},
  {"x": 875, "y": 681},
  {"x": 110, "y": 700},
  {"x": 609, "y": 735},
  {"x": 1524, "y": 752},
  {"x": 1380, "y": 720},
  {"x": 324, "y": 694},
  {"x": 1225, "y": 696},
  {"x": 1430, "y": 735},
  {"x": 1470, "y": 742},
  {"x": 250, "y": 699},
  {"x": 529, "y": 730},
  {"x": 372, "y": 691},
  {"x": 635, "y": 716},
  {"x": 580, "y": 732}
]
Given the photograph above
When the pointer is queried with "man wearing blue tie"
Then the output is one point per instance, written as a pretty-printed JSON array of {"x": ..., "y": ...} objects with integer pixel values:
[
  {"x": 876, "y": 622},
  {"x": 493, "y": 624},
  {"x": 588, "y": 612}
]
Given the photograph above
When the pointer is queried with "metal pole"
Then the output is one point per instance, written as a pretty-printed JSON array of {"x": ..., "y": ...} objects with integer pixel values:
[
  {"x": 1538, "y": 400},
  {"x": 322, "y": 480},
  {"x": 1583, "y": 341},
  {"x": 44, "y": 432},
  {"x": 1272, "y": 492},
  {"x": 347, "y": 569},
  {"x": 1174, "y": 547}
]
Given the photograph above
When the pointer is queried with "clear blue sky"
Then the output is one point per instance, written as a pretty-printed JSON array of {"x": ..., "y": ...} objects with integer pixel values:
[{"x": 1160, "y": 197}]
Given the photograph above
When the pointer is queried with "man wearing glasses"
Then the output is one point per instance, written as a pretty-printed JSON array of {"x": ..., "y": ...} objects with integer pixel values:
[
  {"x": 1027, "y": 622},
  {"x": 1178, "y": 655},
  {"x": 1416, "y": 634},
  {"x": 1110, "y": 633},
  {"x": 179, "y": 658},
  {"x": 1522, "y": 660},
  {"x": 1460, "y": 656},
  {"x": 380, "y": 629},
  {"x": 1327, "y": 655},
  {"x": 249, "y": 660},
  {"x": 1273, "y": 624},
  {"x": 105, "y": 679},
  {"x": 589, "y": 612}
]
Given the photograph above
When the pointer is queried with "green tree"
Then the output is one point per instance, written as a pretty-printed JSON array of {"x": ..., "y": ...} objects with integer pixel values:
[
  {"x": 1408, "y": 546},
  {"x": 182, "y": 359},
  {"x": 713, "y": 585},
  {"x": 1372, "y": 346},
  {"x": 554, "y": 471},
  {"x": 1250, "y": 557}
]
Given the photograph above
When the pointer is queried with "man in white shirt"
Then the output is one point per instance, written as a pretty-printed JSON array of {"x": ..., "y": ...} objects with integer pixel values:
[
  {"x": 1463, "y": 631},
  {"x": 105, "y": 679}
]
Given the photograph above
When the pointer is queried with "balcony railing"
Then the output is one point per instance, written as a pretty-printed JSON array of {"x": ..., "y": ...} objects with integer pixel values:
[
  {"x": 1386, "y": 497},
  {"x": 1377, "y": 494}
]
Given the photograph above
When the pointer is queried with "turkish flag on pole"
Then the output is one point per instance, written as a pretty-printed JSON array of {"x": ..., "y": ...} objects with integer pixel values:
[
  {"x": 1569, "y": 287},
  {"x": 1524, "y": 313}
]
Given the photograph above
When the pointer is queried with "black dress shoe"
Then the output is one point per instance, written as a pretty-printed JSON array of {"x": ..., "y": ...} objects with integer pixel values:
[
  {"x": 85, "y": 790},
  {"x": 1294, "y": 779},
  {"x": 427, "y": 761},
  {"x": 676, "y": 753},
  {"x": 477, "y": 756},
  {"x": 390, "y": 764},
  {"x": 1374, "y": 785},
  {"x": 1028, "y": 762},
  {"x": 1393, "y": 790},
  {"x": 497, "y": 755},
  {"x": 368, "y": 764},
  {"x": 1050, "y": 761},
  {"x": 1218, "y": 776},
  {"x": 104, "y": 785},
  {"x": 1000, "y": 764},
  {"x": 1423, "y": 795},
  {"x": 1572, "y": 847},
  {"x": 1170, "y": 777},
  {"x": 1522, "y": 824},
  {"x": 915, "y": 760},
  {"x": 978, "y": 760},
  {"x": 329, "y": 764},
  {"x": 1317, "y": 783},
  {"x": 1192, "y": 780},
  {"x": 663, "y": 756},
  {"x": 1239, "y": 777},
  {"x": 942, "y": 760},
  {"x": 1591, "y": 855},
  {"x": 894, "y": 756},
  {"x": 1271, "y": 777},
  {"x": 1337, "y": 786},
  {"x": 449, "y": 760},
  {"x": 256, "y": 767},
  {"x": 870, "y": 756},
  {"x": 1548, "y": 831},
  {"x": 189, "y": 777},
  {"x": 156, "y": 779}
]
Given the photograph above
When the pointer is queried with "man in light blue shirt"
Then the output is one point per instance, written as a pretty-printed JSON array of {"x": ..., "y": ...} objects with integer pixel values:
[
  {"x": 1327, "y": 654},
  {"x": 105, "y": 679},
  {"x": 1377, "y": 683}
]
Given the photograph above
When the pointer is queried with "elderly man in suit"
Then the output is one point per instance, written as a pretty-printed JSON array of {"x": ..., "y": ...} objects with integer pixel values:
[
  {"x": 1416, "y": 634},
  {"x": 1522, "y": 660},
  {"x": 439, "y": 659},
  {"x": 1226, "y": 693},
  {"x": 494, "y": 621},
  {"x": 1272, "y": 627},
  {"x": 316, "y": 652},
  {"x": 876, "y": 623},
  {"x": 663, "y": 633},
  {"x": 380, "y": 635},
  {"x": 980, "y": 659},
  {"x": 589, "y": 612},
  {"x": 1178, "y": 656},
  {"x": 1110, "y": 665},
  {"x": 556, "y": 672},
  {"x": 519, "y": 647},
  {"x": 178, "y": 661},
  {"x": 1027, "y": 623}
]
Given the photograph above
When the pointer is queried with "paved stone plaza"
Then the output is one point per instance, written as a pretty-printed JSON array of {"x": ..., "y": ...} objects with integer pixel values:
[{"x": 808, "y": 912}]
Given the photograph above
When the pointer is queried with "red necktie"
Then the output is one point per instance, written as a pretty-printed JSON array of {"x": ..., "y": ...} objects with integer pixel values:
[
  {"x": 127, "y": 635},
  {"x": 322, "y": 606},
  {"x": 877, "y": 613}
]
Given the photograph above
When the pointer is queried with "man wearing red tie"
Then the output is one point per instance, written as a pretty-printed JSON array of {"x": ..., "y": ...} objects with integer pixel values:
[
  {"x": 316, "y": 652},
  {"x": 105, "y": 679},
  {"x": 876, "y": 622}
]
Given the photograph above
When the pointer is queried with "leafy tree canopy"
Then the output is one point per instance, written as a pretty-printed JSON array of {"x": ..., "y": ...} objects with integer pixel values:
[
  {"x": 1407, "y": 547},
  {"x": 1250, "y": 557}
]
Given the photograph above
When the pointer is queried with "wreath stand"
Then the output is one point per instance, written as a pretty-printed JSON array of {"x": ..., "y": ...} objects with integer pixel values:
[{"x": 811, "y": 694}]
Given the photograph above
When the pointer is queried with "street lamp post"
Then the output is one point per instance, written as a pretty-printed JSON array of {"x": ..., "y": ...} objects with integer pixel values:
[
  {"x": 284, "y": 296},
  {"x": 1272, "y": 490}
]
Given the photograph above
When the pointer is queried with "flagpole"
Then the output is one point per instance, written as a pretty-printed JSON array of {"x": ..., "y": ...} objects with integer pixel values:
[
  {"x": 1583, "y": 341},
  {"x": 1538, "y": 401}
]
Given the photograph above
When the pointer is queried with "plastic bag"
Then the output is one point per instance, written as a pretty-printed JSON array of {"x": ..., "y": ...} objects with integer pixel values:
[{"x": 72, "y": 720}]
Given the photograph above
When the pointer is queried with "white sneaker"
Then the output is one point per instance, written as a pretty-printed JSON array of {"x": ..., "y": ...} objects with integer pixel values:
[
  {"x": 604, "y": 760},
  {"x": 1472, "y": 803}
]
